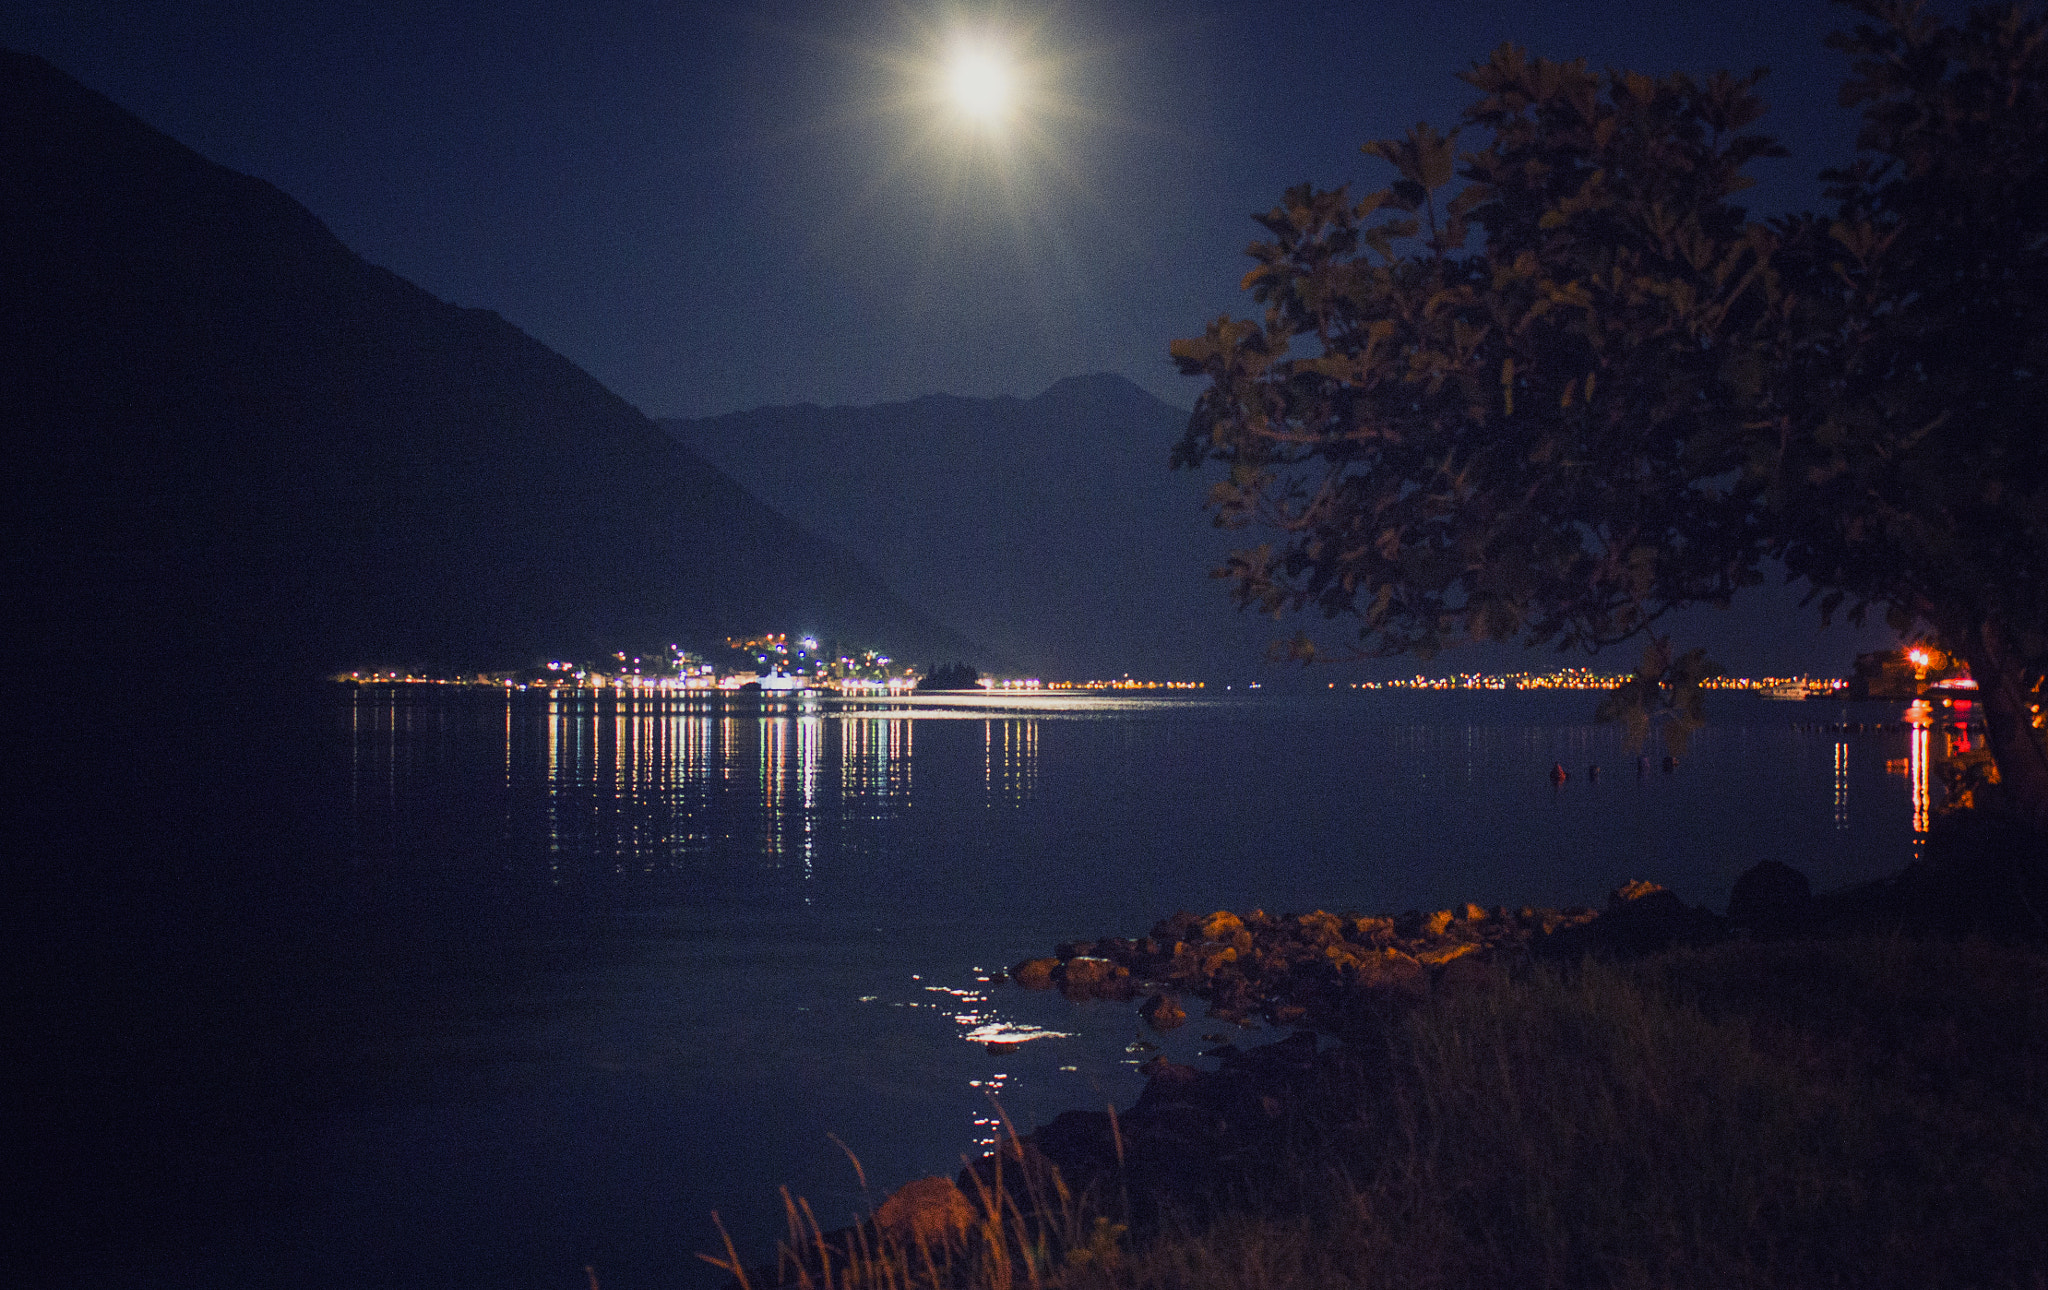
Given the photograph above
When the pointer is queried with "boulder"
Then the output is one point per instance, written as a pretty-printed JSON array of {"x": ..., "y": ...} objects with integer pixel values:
[
  {"x": 1321, "y": 926},
  {"x": 1094, "y": 978},
  {"x": 1220, "y": 925},
  {"x": 1641, "y": 918},
  {"x": 1034, "y": 974},
  {"x": 1086, "y": 971},
  {"x": 1162, "y": 1012},
  {"x": 1168, "y": 1074},
  {"x": 928, "y": 1211},
  {"x": 1770, "y": 897}
]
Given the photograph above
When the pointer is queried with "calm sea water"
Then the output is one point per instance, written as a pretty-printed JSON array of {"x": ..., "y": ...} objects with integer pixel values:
[{"x": 422, "y": 987}]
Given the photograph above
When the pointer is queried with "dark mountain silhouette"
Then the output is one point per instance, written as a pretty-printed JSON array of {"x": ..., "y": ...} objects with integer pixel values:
[
  {"x": 1049, "y": 527},
  {"x": 230, "y": 439}
]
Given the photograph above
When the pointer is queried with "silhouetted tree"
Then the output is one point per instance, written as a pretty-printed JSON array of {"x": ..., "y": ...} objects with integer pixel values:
[{"x": 1582, "y": 388}]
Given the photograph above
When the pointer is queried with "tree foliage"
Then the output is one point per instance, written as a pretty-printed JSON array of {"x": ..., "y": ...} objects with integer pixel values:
[
  {"x": 1912, "y": 382},
  {"x": 1558, "y": 384}
]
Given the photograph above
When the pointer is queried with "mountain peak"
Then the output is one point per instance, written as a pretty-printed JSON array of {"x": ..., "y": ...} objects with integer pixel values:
[{"x": 1098, "y": 389}]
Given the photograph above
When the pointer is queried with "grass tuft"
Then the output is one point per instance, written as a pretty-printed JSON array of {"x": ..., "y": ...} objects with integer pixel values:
[{"x": 1861, "y": 1112}]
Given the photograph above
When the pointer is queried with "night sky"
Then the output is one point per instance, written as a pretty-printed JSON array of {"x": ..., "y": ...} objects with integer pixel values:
[{"x": 715, "y": 208}]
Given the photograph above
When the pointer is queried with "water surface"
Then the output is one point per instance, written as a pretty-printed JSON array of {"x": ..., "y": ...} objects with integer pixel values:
[{"x": 424, "y": 986}]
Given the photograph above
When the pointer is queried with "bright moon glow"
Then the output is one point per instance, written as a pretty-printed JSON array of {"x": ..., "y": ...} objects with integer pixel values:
[
  {"x": 978, "y": 82},
  {"x": 991, "y": 118}
]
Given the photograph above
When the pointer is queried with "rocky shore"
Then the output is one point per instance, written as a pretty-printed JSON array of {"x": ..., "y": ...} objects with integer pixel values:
[
  {"x": 1337, "y": 980},
  {"x": 1199, "y": 1142},
  {"x": 1326, "y": 971}
]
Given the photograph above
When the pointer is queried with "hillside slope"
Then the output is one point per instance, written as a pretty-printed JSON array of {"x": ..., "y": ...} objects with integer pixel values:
[
  {"x": 233, "y": 440},
  {"x": 1048, "y": 526}
]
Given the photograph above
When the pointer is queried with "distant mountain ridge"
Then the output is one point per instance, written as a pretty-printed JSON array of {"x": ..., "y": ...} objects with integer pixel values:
[
  {"x": 232, "y": 440},
  {"x": 1049, "y": 527}
]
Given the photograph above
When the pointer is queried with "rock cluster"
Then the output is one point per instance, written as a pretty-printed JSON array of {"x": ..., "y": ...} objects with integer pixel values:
[
  {"x": 1190, "y": 1133},
  {"x": 1317, "y": 969}
]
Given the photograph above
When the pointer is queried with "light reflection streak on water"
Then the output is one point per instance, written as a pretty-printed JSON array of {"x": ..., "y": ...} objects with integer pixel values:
[
  {"x": 621, "y": 784},
  {"x": 1916, "y": 774},
  {"x": 635, "y": 785},
  {"x": 1841, "y": 784},
  {"x": 355, "y": 752},
  {"x": 979, "y": 1024},
  {"x": 1009, "y": 761},
  {"x": 677, "y": 789},
  {"x": 808, "y": 737}
]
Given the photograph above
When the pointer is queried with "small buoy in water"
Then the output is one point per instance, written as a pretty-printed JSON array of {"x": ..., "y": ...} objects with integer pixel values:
[
  {"x": 1558, "y": 774},
  {"x": 1670, "y": 763},
  {"x": 1593, "y": 772}
]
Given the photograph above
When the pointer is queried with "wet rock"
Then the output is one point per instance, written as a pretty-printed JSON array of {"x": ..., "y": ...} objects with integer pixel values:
[
  {"x": 929, "y": 1211},
  {"x": 1163, "y": 1012},
  {"x": 1337, "y": 972},
  {"x": 1086, "y": 971},
  {"x": 1035, "y": 974},
  {"x": 1168, "y": 1074},
  {"x": 1093, "y": 978}
]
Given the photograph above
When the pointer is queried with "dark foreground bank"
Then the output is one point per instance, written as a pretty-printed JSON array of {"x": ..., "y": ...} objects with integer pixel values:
[{"x": 1843, "y": 1090}]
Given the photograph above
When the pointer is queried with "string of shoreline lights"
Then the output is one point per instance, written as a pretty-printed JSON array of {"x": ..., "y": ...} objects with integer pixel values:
[
  {"x": 1566, "y": 679},
  {"x": 1579, "y": 678}
]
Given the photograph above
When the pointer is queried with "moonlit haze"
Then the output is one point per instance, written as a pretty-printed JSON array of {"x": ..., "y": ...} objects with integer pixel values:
[
  {"x": 978, "y": 80},
  {"x": 908, "y": 198}
]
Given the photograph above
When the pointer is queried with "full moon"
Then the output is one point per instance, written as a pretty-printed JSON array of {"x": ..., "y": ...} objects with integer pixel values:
[{"x": 979, "y": 83}]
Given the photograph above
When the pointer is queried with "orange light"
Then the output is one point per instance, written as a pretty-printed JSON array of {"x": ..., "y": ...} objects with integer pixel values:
[{"x": 1919, "y": 657}]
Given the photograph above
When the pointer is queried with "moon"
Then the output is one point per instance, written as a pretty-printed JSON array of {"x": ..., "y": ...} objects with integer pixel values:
[{"x": 980, "y": 82}]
